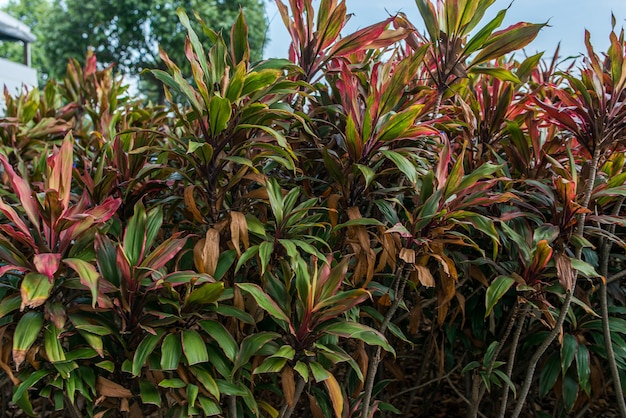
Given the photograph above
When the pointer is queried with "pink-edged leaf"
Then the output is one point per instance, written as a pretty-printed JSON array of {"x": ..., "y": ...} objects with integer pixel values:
[
  {"x": 25, "y": 195},
  {"x": 5, "y": 269},
  {"x": 47, "y": 263},
  {"x": 88, "y": 276},
  {"x": 123, "y": 265},
  {"x": 97, "y": 215},
  {"x": 329, "y": 25},
  {"x": 164, "y": 252},
  {"x": 373, "y": 36},
  {"x": 60, "y": 166},
  {"x": 442, "y": 166},
  {"x": 16, "y": 235}
]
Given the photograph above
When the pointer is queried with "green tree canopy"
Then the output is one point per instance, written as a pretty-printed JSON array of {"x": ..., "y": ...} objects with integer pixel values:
[
  {"x": 126, "y": 32},
  {"x": 34, "y": 14}
]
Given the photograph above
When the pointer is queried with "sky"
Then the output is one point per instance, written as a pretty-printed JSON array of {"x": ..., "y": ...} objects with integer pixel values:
[{"x": 567, "y": 19}]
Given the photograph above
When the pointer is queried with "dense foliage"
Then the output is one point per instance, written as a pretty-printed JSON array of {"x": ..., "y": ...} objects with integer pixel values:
[{"x": 386, "y": 222}]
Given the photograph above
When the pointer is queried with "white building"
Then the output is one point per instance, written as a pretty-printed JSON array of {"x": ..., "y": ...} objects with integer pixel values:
[{"x": 14, "y": 75}]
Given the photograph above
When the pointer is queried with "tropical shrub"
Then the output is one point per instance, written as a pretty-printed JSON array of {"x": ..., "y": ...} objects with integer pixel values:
[{"x": 386, "y": 222}]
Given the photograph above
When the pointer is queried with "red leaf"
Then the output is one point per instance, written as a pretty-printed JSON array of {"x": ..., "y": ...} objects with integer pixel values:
[{"x": 47, "y": 264}]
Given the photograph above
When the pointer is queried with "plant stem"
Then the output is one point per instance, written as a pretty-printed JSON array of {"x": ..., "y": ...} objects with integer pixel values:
[
  {"x": 604, "y": 306},
  {"x": 401, "y": 279},
  {"x": 232, "y": 406},
  {"x": 528, "y": 380},
  {"x": 478, "y": 390},
  {"x": 511, "y": 360},
  {"x": 287, "y": 410}
]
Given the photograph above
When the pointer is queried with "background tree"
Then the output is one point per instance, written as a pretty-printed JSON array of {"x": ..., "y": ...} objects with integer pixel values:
[
  {"x": 127, "y": 33},
  {"x": 33, "y": 13}
]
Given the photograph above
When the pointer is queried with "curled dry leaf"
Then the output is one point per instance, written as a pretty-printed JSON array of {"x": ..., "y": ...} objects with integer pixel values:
[
  {"x": 239, "y": 231},
  {"x": 407, "y": 255},
  {"x": 190, "y": 204},
  {"x": 206, "y": 252},
  {"x": 424, "y": 276},
  {"x": 110, "y": 389},
  {"x": 288, "y": 385},
  {"x": 316, "y": 411},
  {"x": 565, "y": 271},
  {"x": 333, "y": 214}
]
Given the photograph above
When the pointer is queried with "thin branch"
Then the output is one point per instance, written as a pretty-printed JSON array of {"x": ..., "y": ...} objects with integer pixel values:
[
  {"x": 511, "y": 360},
  {"x": 532, "y": 366},
  {"x": 425, "y": 384},
  {"x": 604, "y": 306},
  {"x": 401, "y": 279},
  {"x": 460, "y": 395}
]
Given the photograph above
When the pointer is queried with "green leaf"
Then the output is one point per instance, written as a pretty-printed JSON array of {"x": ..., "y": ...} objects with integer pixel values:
[
  {"x": 570, "y": 391},
  {"x": 35, "y": 290},
  {"x": 206, "y": 294},
  {"x": 223, "y": 338},
  {"x": 145, "y": 348},
  {"x": 359, "y": 221},
  {"x": 219, "y": 114},
  {"x": 359, "y": 331},
  {"x": 584, "y": 268},
  {"x": 149, "y": 393},
  {"x": 10, "y": 304},
  {"x": 508, "y": 40},
  {"x": 397, "y": 125},
  {"x": 88, "y": 276},
  {"x": 171, "y": 351},
  {"x": 173, "y": 383},
  {"x": 498, "y": 72},
  {"x": 52, "y": 345},
  {"x": 206, "y": 379},
  {"x": 403, "y": 164},
  {"x": 568, "y": 351},
  {"x": 250, "y": 346},
  {"x": 302, "y": 369},
  {"x": 134, "y": 238},
  {"x": 192, "y": 394},
  {"x": 496, "y": 290},
  {"x": 549, "y": 374},
  {"x": 583, "y": 368},
  {"x": 239, "y": 39},
  {"x": 265, "y": 252},
  {"x": 194, "y": 347},
  {"x": 209, "y": 406},
  {"x": 154, "y": 220},
  {"x": 318, "y": 371},
  {"x": 26, "y": 332},
  {"x": 271, "y": 365},
  {"x": 264, "y": 301},
  {"x": 28, "y": 383}
]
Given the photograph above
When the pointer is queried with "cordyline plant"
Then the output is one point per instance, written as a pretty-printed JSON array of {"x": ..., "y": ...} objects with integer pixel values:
[{"x": 386, "y": 222}]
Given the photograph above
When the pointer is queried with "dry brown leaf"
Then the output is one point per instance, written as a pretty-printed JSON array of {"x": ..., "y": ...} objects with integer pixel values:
[
  {"x": 198, "y": 260},
  {"x": 239, "y": 231},
  {"x": 289, "y": 386},
  {"x": 424, "y": 276},
  {"x": 362, "y": 360},
  {"x": 565, "y": 271},
  {"x": 124, "y": 407},
  {"x": 333, "y": 214},
  {"x": 211, "y": 251},
  {"x": 336, "y": 397},
  {"x": 110, "y": 389},
  {"x": 190, "y": 204},
  {"x": 316, "y": 411},
  {"x": 415, "y": 316},
  {"x": 407, "y": 255}
]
